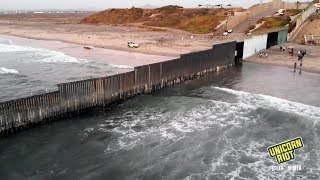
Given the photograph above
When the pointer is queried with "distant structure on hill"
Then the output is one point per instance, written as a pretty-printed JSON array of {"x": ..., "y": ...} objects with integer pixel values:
[{"x": 148, "y": 6}]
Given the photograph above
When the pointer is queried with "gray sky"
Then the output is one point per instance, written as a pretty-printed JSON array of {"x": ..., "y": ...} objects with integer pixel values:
[{"x": 104, "y": 4}]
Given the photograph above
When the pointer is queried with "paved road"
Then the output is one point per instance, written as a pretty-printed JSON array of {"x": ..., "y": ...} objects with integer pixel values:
[{"x": 242, "y": 27}]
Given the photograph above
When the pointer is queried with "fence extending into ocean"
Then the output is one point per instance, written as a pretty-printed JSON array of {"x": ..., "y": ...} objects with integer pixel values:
[{"x": 79, "y": 96}]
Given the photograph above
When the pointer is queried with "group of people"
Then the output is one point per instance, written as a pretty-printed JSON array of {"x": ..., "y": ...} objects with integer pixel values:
[
  {"x": 301, "y": 54},
  {"x": 290, "y": 49},
  {"x": 263, "y": 54}
]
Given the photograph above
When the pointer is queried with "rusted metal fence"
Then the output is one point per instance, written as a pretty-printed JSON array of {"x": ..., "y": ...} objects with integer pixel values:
[{"x": 74, "y": 97}]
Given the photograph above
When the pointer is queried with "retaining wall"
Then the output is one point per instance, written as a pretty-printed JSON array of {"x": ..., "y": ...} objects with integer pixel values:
[
  {"x": 301, "y": 18},
  {"x": 254, "y": 44},
  {"x": 282, "y": 36},
  {"x": 258, "y": 42}
]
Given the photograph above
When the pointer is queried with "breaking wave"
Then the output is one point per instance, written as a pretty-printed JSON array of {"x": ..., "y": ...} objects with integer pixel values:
[
  {"x": 233, "y": 127},
  {"x": 13, "y": 48},
  {"x": 4, "y": 70},
  {"x": 121, "y": 66},
  {"x": 205, "y": 115},
  {"x": 260, "y": 100},
  {"x": 48, "y": 56}
]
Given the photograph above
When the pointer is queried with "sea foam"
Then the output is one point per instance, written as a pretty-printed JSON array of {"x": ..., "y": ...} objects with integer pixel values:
[
  {"x": 260, "y": 100},
  {"x": 4, "y": 70}
]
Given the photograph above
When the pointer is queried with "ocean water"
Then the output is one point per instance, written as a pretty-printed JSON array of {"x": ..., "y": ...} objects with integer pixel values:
[
  {"x": 26, "y": 70},
  {"x": 216, "y": 127}
]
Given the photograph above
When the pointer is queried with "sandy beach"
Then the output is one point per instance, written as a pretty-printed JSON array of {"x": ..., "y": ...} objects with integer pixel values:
[
  {"x": 100, "y": 55},
  {"x": 170, "y": 42},
  {"x": 311, "y": 61},
  {"x": 59, "y": 29}
]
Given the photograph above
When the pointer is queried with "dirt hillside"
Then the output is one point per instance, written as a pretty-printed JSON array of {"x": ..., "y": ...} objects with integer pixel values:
[
  {"x": 311, "y": 27},
  {"x": 196, "y": 20}
]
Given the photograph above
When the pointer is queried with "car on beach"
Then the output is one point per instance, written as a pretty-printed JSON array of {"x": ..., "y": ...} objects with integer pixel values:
[{"x": 133, "y": 45}]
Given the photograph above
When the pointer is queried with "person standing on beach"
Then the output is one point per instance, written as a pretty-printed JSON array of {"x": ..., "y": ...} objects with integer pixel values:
[
  {"x": 299, "y": 56},
  {"x": 291, "y": 52}
]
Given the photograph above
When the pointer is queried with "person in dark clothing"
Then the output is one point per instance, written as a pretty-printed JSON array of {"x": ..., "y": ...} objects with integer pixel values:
[{"x": 299, "y": 57}]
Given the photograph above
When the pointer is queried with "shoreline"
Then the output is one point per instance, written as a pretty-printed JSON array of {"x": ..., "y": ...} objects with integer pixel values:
[
  {"x": 169, "y": 43},
  {"x": 99, "y": 55},
  {"x": 308, "y": 70},
  {"x": 130, "y": 50},
  {"x": 311, "y": 61},
  {"x": 254, "y": 59}
]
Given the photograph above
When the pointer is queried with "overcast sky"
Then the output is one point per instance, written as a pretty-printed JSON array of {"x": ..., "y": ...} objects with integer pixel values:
[{"x": 104, "y": 4}]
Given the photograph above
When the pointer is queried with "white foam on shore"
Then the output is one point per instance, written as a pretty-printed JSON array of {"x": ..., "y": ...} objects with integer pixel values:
[
  {"x": 206, "y": 115},
  {"x": 48, "y": 55},
  {"x": 260, "y": 100},
  {"x": 4, "y": 70},
  {"x": 13, "y": 48},
  {"x": 121, "y": 66},
  {"x": 163, "y": 129},
  {"x": 58, "y": 57}
]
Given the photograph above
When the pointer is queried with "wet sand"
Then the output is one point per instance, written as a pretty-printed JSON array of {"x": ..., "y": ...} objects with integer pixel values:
[{"x": 101, "y": 55}]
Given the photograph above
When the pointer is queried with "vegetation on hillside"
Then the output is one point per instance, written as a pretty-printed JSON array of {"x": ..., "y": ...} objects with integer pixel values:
[
  {"x": 273, "y": 22},
  {"x": 196, "y": 20}
]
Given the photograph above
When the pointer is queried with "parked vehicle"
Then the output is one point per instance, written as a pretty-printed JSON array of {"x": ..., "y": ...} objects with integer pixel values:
[
  {"x": 87, "y": 47},
  {"x": 133, "y": 45}
]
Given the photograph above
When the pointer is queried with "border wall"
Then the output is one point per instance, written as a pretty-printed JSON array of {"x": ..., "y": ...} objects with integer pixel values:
[
  {"x": 78, "y": 96},
  {"x": 259, "y": 42}
]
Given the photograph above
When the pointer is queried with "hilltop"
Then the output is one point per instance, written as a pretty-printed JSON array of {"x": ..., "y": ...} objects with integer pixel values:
[{"x": 194, "y": 20}]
